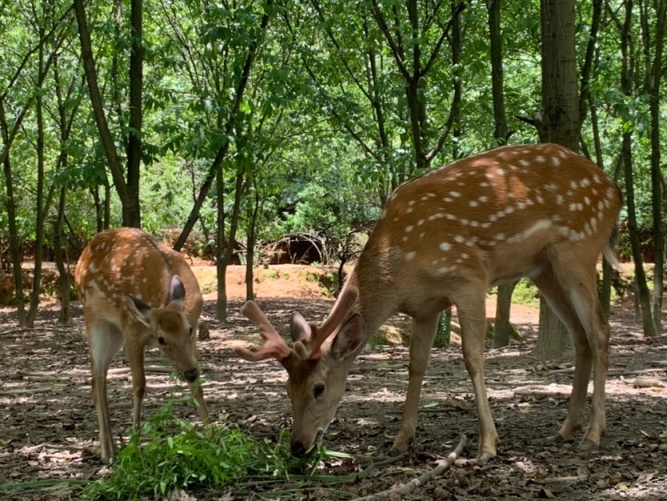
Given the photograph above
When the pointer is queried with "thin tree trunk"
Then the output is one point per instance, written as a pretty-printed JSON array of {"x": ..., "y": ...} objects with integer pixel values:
[
  {"x": 227, "y": 251},
  {"x": 251, "y": 243},
  {"x": 63, "y": 272},
  {"x": 15, "y": 247},
  {"x": 221, "y": 269},
  {"x": 229, "y": 128},
  {"x": 129, "y": 205},
  {"x": 654, "y": 73},
  {"x": 39, "y": 201},
  {"x": 133, "y": 211},
  {"x": 627, "y": 75}
]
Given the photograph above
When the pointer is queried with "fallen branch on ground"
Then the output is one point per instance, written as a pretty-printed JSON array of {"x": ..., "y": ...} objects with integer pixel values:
[{"x": 422, "y": 479}]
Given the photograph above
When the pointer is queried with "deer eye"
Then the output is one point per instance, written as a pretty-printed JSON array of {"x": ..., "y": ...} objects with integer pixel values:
[
  {"x": 161, "y": 340},
  {"x": 318, "y": 390}
]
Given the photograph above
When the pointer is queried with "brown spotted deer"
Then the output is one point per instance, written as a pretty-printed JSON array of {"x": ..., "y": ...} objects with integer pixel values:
[
  {"x": 137, "y": 292},
  {"x": 536, "y": 211}
]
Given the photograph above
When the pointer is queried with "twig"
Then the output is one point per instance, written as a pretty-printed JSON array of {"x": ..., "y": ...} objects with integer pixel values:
[
  {"x": 422, "y": 479},
  {"x": 32, "y": 329},
  {"x": 21, "y": 391}
]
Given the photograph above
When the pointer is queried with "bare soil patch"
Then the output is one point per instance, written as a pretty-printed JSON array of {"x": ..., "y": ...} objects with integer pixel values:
[{"x": 49, "y": 430}]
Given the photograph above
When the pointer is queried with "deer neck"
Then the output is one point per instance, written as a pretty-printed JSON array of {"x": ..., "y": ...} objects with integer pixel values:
[{"x": 377, "y": 298}]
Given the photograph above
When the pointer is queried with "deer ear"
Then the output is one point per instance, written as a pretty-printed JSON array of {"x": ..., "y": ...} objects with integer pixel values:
[
  {"x": 299, "y": 329},
  {"x": 140, "y": 310},
  {"x": 176, "y": 292},
  {"x": 349, "y": 337}
]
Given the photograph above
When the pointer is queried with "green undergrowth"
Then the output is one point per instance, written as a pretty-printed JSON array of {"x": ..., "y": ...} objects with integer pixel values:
[{"x": 169, "y": 454}]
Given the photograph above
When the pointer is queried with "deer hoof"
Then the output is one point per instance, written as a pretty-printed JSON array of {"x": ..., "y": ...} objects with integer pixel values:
[
  {"x": 587, "y": 445},
  {"x": 556, "y": 439},
  {"x": 394, "y": 452},
  {"x": 484, "y": 458}
]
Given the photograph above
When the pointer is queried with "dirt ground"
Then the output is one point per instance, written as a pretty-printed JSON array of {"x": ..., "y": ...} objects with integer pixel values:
[{"x": 48, "y": 425}]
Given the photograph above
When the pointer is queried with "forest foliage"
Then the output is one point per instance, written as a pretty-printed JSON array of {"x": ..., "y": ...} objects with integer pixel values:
[{"x": 249, "y": 120}]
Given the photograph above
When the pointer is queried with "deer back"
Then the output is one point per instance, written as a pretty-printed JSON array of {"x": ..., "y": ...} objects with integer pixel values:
[{"x": 128, "y": 278}]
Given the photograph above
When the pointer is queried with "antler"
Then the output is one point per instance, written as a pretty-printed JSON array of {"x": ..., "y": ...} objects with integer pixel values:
[
  {"x": 309, "y": 337},
  {"x": 274, "y": 346}
]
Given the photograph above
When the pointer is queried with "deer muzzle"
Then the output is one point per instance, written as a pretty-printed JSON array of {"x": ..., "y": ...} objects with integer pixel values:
[
  {"x": 299, "y": 449},
  {"x": 191, "y": 375}
]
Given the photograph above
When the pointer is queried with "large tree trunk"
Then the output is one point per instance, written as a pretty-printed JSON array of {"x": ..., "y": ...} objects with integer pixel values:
[
  {"x": 502, "y": 326},
  {"x": 558, "y": 122}
]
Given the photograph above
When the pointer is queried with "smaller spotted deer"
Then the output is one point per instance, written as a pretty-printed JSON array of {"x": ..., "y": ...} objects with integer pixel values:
[
  {"x": 137, "y": 292},
  {"x": 536, "y": 211}
]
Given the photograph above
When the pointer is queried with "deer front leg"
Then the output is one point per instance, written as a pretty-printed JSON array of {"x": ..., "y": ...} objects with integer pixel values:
[
  {"x": 198, "y": 394},
  {"x": 423, "y": 332},
  {"x": 472, "y": 316}
]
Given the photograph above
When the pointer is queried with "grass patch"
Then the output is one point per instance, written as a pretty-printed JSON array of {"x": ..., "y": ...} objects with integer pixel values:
[
  {"x": 169, "y": 454},
  {"x": 379, "y": 339}
]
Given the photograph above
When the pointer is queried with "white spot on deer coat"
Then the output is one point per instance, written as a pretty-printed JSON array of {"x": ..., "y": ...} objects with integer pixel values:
[{"x": 445, "y": 246}]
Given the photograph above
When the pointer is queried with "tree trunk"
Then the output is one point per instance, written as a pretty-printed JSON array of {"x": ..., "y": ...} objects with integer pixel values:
[
  {"x": 251, "y": 243},
  {"x": 229, "y": 127},
  {"x": 654, "y": 73},
  {"x": 39, "y": 200},
  {"x": 225, "y": 252},
  {"x": 63, "y": 271},
  {"x": 10, "y": 205},
  {"x": 502, "y": 326},
  {"x": 130, "y": 207},
  {"x": 642, "y": 295},
  {"x": 220, "y": 265},
  {"x": 500, "y": 132},
  {"x": 132, "y": 213},
  {"x": 558, "y": 122}
]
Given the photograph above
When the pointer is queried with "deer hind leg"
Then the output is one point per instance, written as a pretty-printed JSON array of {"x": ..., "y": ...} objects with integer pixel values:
[
  {"x": 572, "y": 294},
  {"x": 423, "y": 332},
  {"x": 135, "y": 357},
  {"x": 105, "y": 342},
  {"x": 472, "y": 316}
]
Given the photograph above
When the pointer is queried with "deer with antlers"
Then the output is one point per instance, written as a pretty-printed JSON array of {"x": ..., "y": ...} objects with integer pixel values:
[
  {"x": 136, "y": 291},
  {"x": 536, "y": 211}
]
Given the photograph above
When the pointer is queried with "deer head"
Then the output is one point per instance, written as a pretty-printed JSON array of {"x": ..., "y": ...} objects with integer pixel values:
[
  {"x": 317, "y": 364},
  {"x": 169, "y": 329}
]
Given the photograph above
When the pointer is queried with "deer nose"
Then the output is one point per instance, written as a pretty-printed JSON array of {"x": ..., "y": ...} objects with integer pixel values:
[
  {"x": 298, "y": 450},
  {"x": 191, "y": 375}
]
